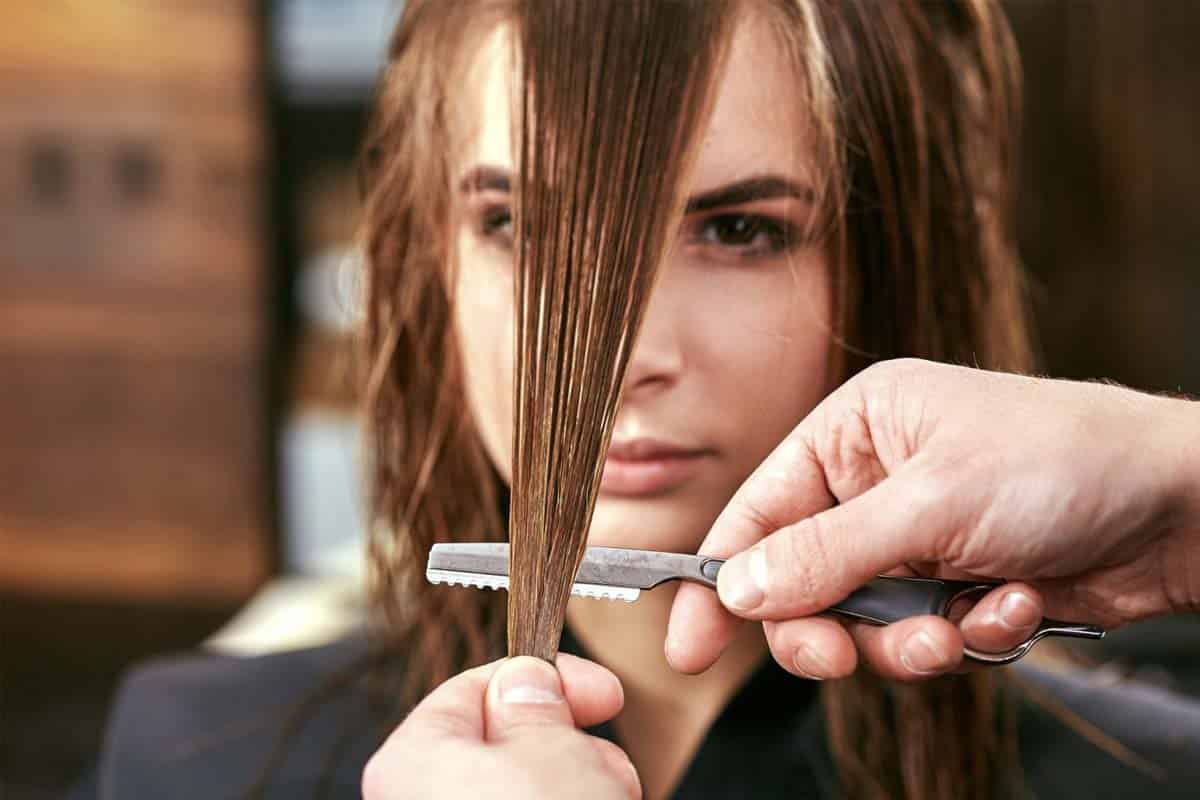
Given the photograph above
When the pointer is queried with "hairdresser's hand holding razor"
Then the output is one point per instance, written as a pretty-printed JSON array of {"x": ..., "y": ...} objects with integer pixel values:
[
  {"x": 1085, "y": 497},
  {"x": 509, "y": 729}
]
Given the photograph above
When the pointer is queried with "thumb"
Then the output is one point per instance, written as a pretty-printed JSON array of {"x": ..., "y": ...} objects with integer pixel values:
[
  {"x": 525, "y": 693},
  {"x": 788, "y": 486},
  {"x": 805, "y": 567}
]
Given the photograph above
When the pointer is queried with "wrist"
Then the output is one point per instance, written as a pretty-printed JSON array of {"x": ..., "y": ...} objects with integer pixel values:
[
  {"x": 1187, "y": 469},
  {"x": 1183, "y": 504}
]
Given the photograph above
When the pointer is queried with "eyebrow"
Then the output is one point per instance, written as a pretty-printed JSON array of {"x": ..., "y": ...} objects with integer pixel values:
[
  {"x": 486, "y": 178},
  {"x": 759, "y": 187}
]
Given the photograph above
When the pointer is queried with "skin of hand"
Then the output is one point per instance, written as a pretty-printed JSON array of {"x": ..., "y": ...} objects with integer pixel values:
[
  {"x": 1088, "y": 494},
  {"x": 509, "y": 729}
]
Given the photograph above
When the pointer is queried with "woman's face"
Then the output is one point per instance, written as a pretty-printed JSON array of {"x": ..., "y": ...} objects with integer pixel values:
[{"x": 732, "y": 352}]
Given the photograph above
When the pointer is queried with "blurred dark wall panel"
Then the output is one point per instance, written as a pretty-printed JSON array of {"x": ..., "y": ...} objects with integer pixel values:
[
  {"x": 134, "y": 463},
  {"x": 1109, "y": 212}
]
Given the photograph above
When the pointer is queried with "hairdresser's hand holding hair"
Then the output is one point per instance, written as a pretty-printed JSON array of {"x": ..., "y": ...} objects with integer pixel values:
[
  {"x": 508, "y": 730},
  {"x": 1088, "y": 493}
]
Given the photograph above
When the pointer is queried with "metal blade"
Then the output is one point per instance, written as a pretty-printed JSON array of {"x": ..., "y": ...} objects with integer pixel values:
[
  {"x": 480, "y": 557},
  {"x": 603, "y": 566},
  {"x": 481, "y": 580}
]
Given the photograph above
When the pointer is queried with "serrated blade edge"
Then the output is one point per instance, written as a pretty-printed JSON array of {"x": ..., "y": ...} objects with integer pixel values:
[{"x": 479, "y": 580}]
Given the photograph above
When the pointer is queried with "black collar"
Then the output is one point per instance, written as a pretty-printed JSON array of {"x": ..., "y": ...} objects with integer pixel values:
[{"x": 767, "y": 742}]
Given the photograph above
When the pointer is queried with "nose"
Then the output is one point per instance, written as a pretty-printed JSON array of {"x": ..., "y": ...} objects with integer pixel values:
[{"x": 658, "y": 355}]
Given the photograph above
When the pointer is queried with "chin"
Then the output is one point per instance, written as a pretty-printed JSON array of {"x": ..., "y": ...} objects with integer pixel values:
[{"x": 666, "y": 524}]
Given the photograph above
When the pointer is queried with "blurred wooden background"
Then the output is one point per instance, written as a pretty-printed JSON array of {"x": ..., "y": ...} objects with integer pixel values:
[
  {"x": 134, "y": 459},
  {"x": 136, "y": 468}
]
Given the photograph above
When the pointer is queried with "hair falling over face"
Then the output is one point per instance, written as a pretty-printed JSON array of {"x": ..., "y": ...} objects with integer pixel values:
[
  {"x": 612, "y": 95},
  {"x": 913, "y": 104}
]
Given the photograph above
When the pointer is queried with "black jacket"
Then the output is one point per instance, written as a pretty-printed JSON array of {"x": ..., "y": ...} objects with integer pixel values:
[{"x": 204, "y": 727}]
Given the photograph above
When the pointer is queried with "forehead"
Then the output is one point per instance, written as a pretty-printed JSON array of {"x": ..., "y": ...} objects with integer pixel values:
[
  {"x": 756, "y": 124},
  {"x": 486, "y": 115}
]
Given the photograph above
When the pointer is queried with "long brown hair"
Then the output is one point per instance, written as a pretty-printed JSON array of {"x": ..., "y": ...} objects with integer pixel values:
[
  {"x": 597, "y": 206},
  {"x": 913, "y": 106}
]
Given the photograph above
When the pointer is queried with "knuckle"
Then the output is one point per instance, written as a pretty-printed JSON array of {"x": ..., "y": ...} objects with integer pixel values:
[
  {"x": 895, "y": 371},
  {"x": 931, "y": 493},
  {"x": 755, "y": 516},
  {"x": 784, "y": 645},
  {"x": 378, "y": 776},
  {"x": 946, "y": 515},
  {"x": 374, "y": 778},
  {"x": 929, "y": 488},
  {"x": 804, "y": 559},
  {"x": 780, "y": 640},
  {"x": 850, "y": 454},
  {"x": 604, "y": 754},
  {"x": 903, "y": 402}
]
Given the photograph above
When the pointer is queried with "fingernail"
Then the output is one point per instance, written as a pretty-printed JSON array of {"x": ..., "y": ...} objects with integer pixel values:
[
  {"x": 807, "y": 660},
  {"x": 528, "y": 680},
  {"x": 742, "y": 582},
  {"x": 1018, "y": 612},
  {"x": 920, "y": 654}
]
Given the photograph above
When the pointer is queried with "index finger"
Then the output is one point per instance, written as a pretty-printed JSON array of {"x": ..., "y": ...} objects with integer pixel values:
[
  {"x": 787, "y": 487},
  {"x": 453, "y": 709}
]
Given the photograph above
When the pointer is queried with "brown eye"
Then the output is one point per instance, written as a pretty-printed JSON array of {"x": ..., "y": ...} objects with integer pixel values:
[
  {"x": 496, "y": 221},
  {"x": 745, "y": 234},
  {"x": 736, "y": 229}
]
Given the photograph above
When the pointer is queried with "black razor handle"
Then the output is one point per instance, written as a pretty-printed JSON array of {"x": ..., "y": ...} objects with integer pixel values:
[
  {"x": 891, "y": 598},
  {"x": 887, "y": 598}
]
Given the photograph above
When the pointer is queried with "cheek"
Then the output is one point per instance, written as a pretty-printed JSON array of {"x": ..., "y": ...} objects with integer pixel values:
[
  {"x": 483, "y": 319},
  {"x": 767, "y": 360}
]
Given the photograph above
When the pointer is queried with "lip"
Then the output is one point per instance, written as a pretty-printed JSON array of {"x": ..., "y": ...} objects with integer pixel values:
[{"x": 644, "y": 467}]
